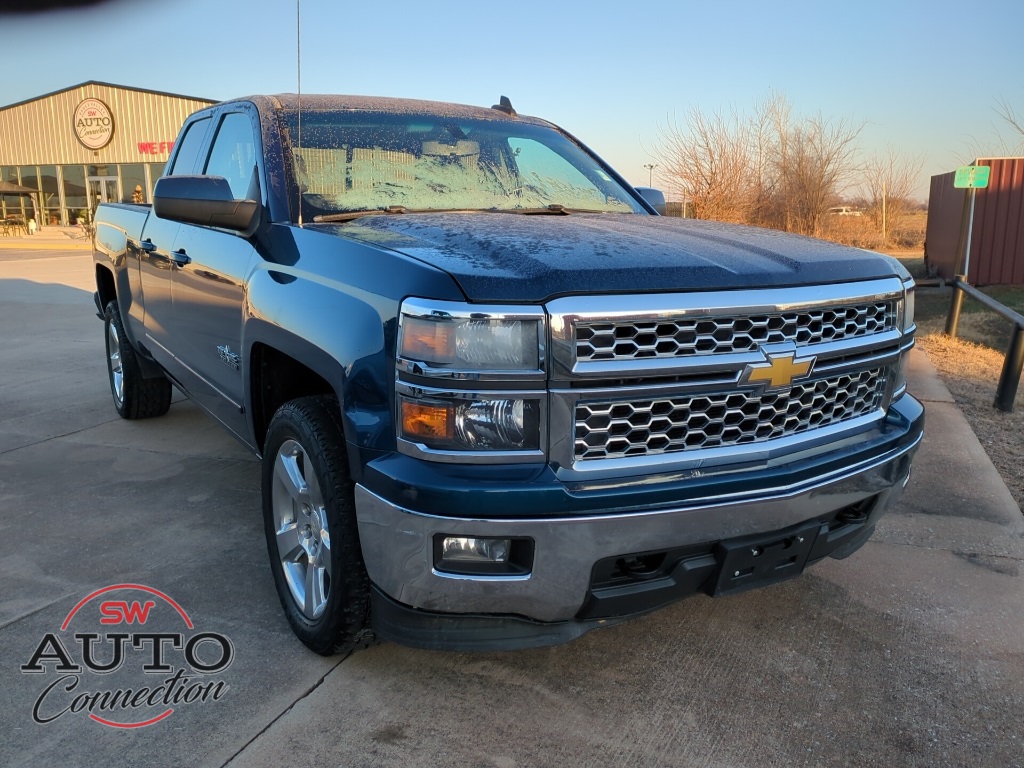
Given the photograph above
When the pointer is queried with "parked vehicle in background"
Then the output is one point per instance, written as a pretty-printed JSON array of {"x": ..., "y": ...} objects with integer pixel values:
[
  {"x": 499, "y": 401},
  {"x": 844, "y": 210}
]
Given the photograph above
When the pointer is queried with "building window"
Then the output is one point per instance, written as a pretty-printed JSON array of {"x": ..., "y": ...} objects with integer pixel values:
[
  {"x": 9, "y": 204},
  {"x": 156, "y": 170},
  {"x": 74, "y": 191},
  {"x": 133, "y": 183},
  {"x": 51, "y": 194},
  {"x": 30, "y": 179}
]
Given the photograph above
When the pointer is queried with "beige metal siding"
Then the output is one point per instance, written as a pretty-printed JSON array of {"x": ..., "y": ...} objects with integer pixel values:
[{"x": 40, "y": 132}]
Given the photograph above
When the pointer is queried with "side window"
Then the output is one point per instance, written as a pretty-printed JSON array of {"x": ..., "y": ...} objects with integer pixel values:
[
  {"x": 234, "y": 154},
  {"x": 191, "y": 143}
]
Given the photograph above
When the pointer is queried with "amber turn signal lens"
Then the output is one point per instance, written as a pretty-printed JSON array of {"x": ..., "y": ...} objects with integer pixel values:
[
  {"x": 426, "y": 340},
  {"x": 424, "y": 420}
]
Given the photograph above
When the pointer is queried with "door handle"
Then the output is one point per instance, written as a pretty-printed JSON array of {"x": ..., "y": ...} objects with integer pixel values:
[
  {"x": 147, "y": 245},
  {"x": 180, "y": 258}
]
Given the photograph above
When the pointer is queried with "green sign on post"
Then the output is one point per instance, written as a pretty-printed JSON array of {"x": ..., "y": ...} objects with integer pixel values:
[{"x": 971, "y": 177}]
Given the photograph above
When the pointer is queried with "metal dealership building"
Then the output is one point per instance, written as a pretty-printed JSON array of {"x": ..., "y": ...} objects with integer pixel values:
[{"x": 90, "y": 143}]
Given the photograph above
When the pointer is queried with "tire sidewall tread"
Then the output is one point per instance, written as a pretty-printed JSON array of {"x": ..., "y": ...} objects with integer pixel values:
[
  {"x": 143, "y": 398},
  {"x": 315, "y": 424}
]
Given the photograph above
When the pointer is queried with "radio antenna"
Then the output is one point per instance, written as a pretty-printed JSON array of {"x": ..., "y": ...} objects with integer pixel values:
[{"x": 298, "y": 97}]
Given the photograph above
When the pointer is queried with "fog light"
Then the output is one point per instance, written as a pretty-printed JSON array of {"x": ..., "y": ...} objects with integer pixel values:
[
  {"x": 491, "y": 557},
  {"x": 465, "y": 550}
]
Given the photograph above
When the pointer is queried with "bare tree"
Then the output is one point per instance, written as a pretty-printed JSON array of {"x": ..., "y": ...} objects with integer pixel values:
[
  {"x": 765, "y": 168},
  {"x": 707, "y": 163},
  {"x": 1006, "y": 111},
  {"x": 815, "y": 162},
  {"x": 1001, "y": 145},
  {"x": 888, "y": 181},
  {"x": 768, "y": 139}
]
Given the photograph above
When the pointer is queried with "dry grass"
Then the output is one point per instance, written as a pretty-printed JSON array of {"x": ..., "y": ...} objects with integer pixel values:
[
  {"x": 905, "y": 233},
  {"x": 971, "y": 372}
]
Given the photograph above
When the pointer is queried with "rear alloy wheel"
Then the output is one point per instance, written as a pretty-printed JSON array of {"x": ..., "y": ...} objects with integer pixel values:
[
  {"x": 310, "y": 525},
  {"x": 135, "y": 397}
]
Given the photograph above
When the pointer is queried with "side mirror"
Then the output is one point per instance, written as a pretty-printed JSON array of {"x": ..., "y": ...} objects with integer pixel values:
[
  {"x": 654, "y": 197},
  {"x": 204, "y": 200}
]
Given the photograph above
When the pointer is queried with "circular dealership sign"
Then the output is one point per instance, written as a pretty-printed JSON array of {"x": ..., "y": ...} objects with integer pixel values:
[{"x": 94, "y": 125}]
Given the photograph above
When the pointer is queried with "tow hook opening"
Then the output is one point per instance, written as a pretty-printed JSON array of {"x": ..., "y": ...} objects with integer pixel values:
[{"x": 640, "y": 566}]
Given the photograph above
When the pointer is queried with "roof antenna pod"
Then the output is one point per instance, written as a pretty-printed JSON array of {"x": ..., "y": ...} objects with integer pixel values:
[{"x": 504, "y": 105}]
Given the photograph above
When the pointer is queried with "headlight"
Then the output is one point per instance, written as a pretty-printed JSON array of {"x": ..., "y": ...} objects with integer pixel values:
[
  {"x": 493, "y": 424},
  {"x": 466, "y": 337},
  {"x": 908, "y": 309},
  {"x": 907, "y": 327},
  {"x": 901, "y": 375},
  {"x": 486, "y": 402}
]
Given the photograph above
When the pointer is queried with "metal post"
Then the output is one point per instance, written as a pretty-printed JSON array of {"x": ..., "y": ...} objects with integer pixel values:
[
  {"x": 955, "y": 307},
  {"x": 1009, "y": 379},
  {"x": 970, "y": 230},
  {"x": 650, "y": 173}
]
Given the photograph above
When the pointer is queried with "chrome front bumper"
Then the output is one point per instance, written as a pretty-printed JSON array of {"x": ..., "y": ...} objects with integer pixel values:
[{"x": 397, "y": 542}]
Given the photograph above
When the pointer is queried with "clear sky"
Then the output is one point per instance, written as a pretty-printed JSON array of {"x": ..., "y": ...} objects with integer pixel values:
[{"x": 922, "y": 76}]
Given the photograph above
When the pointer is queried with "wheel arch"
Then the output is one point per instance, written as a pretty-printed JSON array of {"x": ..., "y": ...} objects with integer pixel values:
[
  {"x": 276, "y": 377},
  {"x": 304, "y": 336},
  {"x": 105, "y": 285}
]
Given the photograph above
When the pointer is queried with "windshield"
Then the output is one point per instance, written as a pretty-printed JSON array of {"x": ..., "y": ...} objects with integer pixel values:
[{"x": 366, "y": 161}]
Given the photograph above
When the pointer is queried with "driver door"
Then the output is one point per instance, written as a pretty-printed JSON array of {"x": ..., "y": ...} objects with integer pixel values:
[{"x": 208, "y": 284}]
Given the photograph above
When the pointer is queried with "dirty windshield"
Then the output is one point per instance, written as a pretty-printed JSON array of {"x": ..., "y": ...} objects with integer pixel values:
[{"x": 352, "y": 161}]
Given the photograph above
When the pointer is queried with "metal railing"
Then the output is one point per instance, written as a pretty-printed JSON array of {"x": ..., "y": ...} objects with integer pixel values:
[{"x": 1009, "y": 378}]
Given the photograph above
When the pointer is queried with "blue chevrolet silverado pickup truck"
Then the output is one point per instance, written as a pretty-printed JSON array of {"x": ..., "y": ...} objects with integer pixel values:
[{"x": 498, "y": 400}]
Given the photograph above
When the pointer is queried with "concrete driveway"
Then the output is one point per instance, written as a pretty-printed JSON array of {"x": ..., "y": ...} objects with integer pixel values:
[{"x": 907, "y": 654}]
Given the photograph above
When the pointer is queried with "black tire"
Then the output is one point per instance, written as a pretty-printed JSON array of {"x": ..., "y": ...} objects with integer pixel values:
[
  {"x": 135, "y": 397},
  {"x": 307, "y": 493}
]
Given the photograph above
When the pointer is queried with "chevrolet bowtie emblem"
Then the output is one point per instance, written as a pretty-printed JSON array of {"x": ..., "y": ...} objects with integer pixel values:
[{"x": 779, "y": 371}]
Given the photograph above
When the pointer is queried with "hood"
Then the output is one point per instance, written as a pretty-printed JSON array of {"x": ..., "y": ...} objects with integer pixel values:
[{"x": 501, "y": 257}]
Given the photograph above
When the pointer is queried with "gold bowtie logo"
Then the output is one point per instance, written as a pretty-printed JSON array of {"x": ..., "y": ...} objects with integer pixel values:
[{"x": 780, "y": 370}]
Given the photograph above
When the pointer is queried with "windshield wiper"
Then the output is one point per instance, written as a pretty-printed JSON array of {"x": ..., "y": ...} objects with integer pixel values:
[
  {"x": 549, "y": 210},
  {"x": 349, "y": 215},
  {"x": 554, "y": 209},
  {"x": 391, "y": 210}
]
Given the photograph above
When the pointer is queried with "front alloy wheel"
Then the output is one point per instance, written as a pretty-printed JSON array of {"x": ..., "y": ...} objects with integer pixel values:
[
  {"x": 310, "y": 524},
  {"x": 303, "y": 536}
]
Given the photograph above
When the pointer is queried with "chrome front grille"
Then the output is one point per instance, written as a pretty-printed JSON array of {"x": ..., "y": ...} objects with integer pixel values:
[
  {"x": 636, "y": 339},
  {"x": 708, "y": 381},
  {"x": 615, "y": 429}
]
